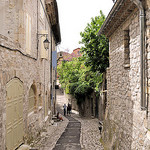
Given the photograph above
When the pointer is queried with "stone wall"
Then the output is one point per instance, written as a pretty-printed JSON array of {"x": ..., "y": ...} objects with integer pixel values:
[
  {"x": 124, "y": 126},
  {"x": 30, "y": 69},
  {"x": 88, "y": 108}
]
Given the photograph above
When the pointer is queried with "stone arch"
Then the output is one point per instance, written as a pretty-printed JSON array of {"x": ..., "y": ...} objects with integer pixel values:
[
  {"x": 32, "y": 98},
  {"x": 33, "y": 115}
]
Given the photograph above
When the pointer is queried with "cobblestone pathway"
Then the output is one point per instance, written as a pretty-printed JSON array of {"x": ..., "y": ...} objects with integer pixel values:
[
  {"x": 70, "y": 139},
  {"x": 74, "y": 133},
  {"x": 90, "y": 134}
]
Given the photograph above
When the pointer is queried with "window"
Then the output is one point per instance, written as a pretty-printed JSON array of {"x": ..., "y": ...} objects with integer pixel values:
[
  {"x": 28, "y": 34},
  {"x": 126, "y": 49},
  {"x": 42, "y": 9},
  {"x": 40, "y": 100}
]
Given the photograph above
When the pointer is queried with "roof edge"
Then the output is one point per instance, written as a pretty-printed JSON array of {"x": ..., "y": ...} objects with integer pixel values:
[
  {"x": 52, "y": 10},
  {"x": 112, "y": 12}
]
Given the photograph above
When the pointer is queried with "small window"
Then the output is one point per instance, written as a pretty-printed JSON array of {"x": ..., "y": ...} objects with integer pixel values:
[
  {"x": 126, "y": 49},
  {"x": 40, "y": 100},
  {"x": 46, "y": 104},
  {"x": 40, "y": 96}
]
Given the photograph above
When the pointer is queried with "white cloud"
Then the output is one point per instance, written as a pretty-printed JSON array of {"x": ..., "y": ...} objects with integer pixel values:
[{"x": 74, "y": 16}]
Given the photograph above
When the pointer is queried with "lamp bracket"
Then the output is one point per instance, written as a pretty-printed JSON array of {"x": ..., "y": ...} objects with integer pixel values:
[{"x": 41, "y": 35}]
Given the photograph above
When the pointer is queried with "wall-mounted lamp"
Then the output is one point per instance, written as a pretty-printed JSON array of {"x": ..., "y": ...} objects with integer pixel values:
[{"x": 46, "y": 41}]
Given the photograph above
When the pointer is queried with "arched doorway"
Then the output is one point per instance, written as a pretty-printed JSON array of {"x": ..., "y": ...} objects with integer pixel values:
[
  {"x": 32, "y": 99},
  {"x": 14, "y": 114},
  {"x": 32, "y": 120}
]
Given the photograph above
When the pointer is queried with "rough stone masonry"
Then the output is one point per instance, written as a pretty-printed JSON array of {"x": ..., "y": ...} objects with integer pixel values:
[
  {"x": 24, "y": 60},
  {"x": 126, "y": 125}
]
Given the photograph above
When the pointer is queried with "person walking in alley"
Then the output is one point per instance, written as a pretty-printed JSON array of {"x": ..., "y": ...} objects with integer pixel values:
[
  {"x": 64, "y": 109},
  {"x": 69, "y": 109}
]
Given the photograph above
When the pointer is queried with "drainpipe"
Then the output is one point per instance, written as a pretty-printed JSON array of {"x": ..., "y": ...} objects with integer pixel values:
[
  {"x": 142, "y": 51},
  {"x": 37, "y": 28}
]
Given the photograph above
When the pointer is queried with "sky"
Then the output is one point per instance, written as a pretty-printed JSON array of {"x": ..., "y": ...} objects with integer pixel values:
[{"x": 73, "y": 18}]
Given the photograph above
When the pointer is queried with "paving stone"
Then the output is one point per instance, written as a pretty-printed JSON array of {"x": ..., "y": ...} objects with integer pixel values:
[
  {"x": 70, "y": 133},
  {"x": 74, "y": 125},
  {"x": 71, "y": 119},
  {"x": 67, "y": 147},
  {"x": 68, "y": 139}
]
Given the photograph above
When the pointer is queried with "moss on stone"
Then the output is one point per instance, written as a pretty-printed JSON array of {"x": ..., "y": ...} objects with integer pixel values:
[
  {"x": 115, "y": 145},
  {"x": 105, "y": 145},
  {"x": 110, "y": 134},
  {"x": 101, "y": 141},
  {"x": 29, "y": 140},
  {"x": 114, "y": 128}
]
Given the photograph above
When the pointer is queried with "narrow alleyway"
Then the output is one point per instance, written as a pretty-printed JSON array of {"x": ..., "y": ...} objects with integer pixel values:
[
  {"x": 73, "y": 133},
  {"x": 70, "y": 138}
]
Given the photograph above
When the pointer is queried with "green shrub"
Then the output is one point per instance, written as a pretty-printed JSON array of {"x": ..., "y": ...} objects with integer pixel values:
[{"x": 82, "y": 91}]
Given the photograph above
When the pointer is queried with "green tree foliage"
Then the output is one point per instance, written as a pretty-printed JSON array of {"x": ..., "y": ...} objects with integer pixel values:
[
  {"x": 83, "y": 75},
  {"x": 95, "y": 48},
  {"x": 69, "y": 72},
  {"x": 78, "y": 79}
]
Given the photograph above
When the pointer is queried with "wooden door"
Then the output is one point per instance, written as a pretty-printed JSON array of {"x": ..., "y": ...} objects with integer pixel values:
[{"x": 14, "y": 114}]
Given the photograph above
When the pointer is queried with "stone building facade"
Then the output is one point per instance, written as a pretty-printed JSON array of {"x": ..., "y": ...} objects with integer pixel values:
[
  {"x": 26, "y": 81},
  {"x": 65, "y": 56},
  {"x": 88, "y": 108},
  {"x": 76, "y": 53},
  {"x": 126, "y": 123}
]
